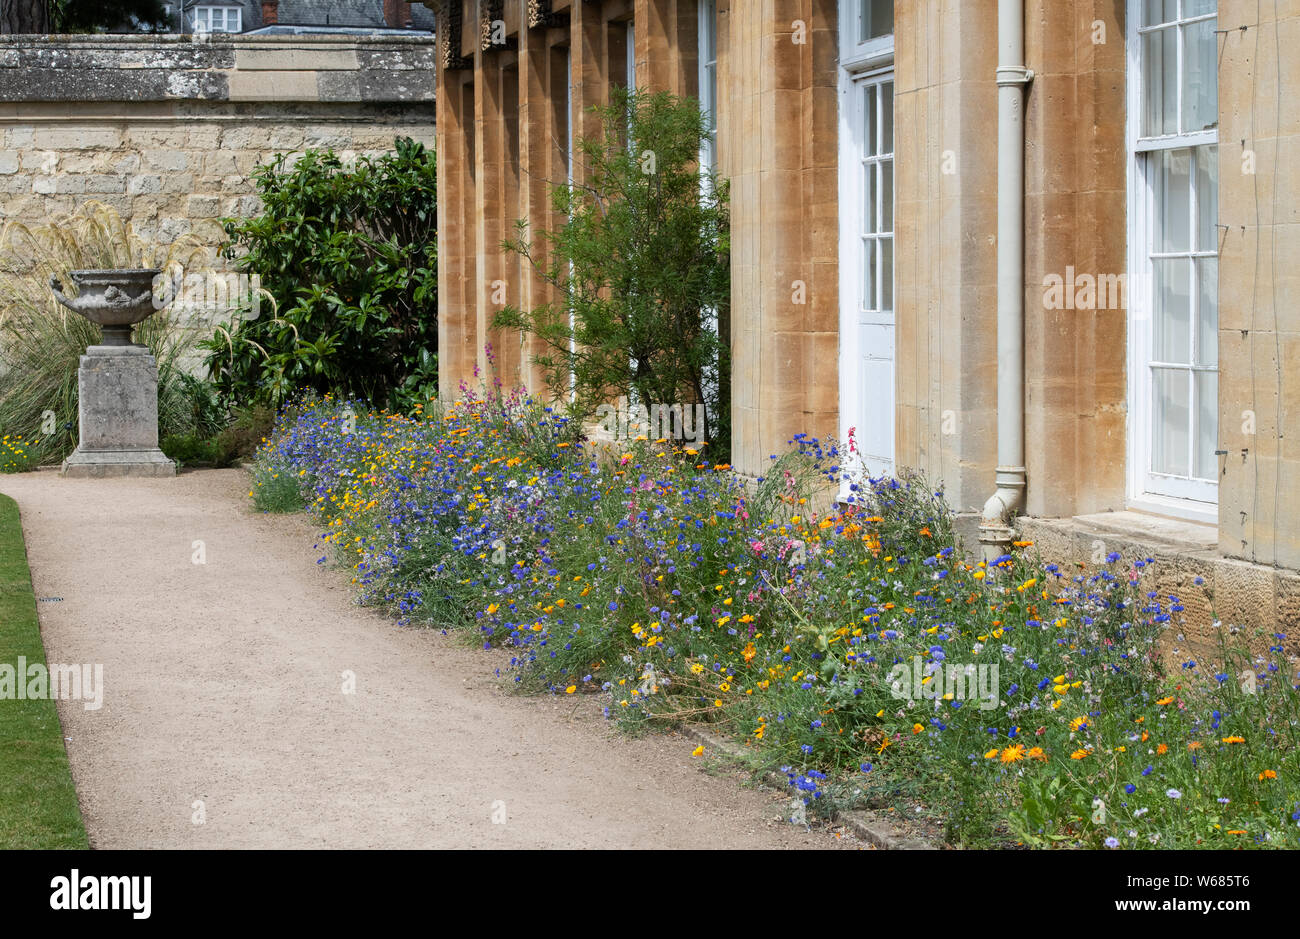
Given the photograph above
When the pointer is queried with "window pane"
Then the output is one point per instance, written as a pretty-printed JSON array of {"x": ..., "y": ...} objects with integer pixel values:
[
  {"x": 1200, "y": 77},
  {"x": 1173, "y": 313},
  {"x": 1170, "y": 420},
  {"x": 1207, "y": 198},
  {"x": 1155, "y": 12},
  {"x": 1173, "y": 201},
  {"x": 868, "y": 273},
  {"x": 708, "y": 19},
  {"x": 872, "y": 199},
  {"x": 887, "y": 117},
  {"x": 1207, "y": 425},
  {"x": 886, "y": 273},
  {"x": 887, "y": 196},
  {"x": 1160, "y": 82},
  {"x": 1199, "y": 7},
  {"x": 872, "y": 118},
  {"x": 1207, "y": 313},
  {"x": 877, "y": 19}
]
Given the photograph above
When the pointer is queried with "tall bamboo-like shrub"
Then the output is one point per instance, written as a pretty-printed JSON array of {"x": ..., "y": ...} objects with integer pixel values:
[{"x": 642, "y": 264}]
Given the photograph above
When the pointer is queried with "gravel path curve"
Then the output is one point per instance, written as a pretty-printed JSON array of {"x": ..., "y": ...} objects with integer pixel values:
[{"x": 224, "y": 723}]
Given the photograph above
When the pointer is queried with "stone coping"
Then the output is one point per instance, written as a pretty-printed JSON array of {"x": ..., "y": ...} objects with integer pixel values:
[
  {"x": 152, "y": 40},
  {"x": 134, "y": 69}
]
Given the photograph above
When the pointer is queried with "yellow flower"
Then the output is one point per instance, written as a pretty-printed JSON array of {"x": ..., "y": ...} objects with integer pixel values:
[
  {"x": 571, "y": 689},
  {"x": 991, "y": 754},
  {"x": 1036, "y": 753},
  {"x": 1163, "y": 701},
  {"x": 918, "y": 728},
  {"x": 1078, "y": 754},
  {"x": 1013, "y": 753},
  {"x": 1267, "y": 774},
  {"x": 698, "y": 751}
]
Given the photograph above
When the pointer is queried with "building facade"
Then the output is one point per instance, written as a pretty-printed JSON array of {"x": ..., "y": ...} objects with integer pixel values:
[{"x": 1046, "y": 252}]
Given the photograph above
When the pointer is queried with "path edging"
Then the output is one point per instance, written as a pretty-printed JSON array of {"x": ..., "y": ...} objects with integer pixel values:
[{"x": 866, "y": 825}]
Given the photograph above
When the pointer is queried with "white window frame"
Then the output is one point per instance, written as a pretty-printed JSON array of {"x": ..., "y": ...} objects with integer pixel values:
[
  {"x": 1182, "y": 497},
  {"x": 708, "y": 85},
  {"x": 860, "y": 63},
  {"x": 854, "y": 54},
  {"x": 203, "y": 16}
]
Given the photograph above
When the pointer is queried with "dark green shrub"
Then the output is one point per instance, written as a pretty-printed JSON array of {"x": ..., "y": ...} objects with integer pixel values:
[{"x": 347, "y": 258}]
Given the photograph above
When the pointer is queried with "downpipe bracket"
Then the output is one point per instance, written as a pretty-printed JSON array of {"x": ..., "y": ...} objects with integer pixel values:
[{"x": 1014, "y": 75}]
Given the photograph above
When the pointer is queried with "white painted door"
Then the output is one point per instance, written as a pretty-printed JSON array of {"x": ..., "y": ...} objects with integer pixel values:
[{"x": 867, "y": 267}]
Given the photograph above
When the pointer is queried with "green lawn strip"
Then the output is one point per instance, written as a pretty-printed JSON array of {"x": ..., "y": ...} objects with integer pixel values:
[{"x": 38, "y": 803}]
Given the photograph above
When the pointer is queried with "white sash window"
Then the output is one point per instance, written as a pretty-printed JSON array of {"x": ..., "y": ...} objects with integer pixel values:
[{"x": 1173, "y": 265}]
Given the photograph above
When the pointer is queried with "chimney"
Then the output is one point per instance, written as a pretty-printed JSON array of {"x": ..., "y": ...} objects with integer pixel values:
[
  {"x": 270, "y": 12},
  {"x": 397, "y": 14}
]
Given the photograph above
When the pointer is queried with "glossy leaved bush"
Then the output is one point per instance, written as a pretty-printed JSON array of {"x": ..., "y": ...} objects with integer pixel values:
[{"x": 346, "y": 254}]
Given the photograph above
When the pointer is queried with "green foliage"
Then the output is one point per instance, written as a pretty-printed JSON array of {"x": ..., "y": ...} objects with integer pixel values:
[
  {"x": 41, "y": 342},
  {"x": 853, "y": 647},
  {"x": 17, "y": 455},
  {"x": 642, "y": 264},
  {"x": 275, "y": 490},
  {"x": 230, "y": 444},
  {"x": 93, "y": 16},
  {"x": 38, "y": 803},
  {"x": 347, "y": 256}
]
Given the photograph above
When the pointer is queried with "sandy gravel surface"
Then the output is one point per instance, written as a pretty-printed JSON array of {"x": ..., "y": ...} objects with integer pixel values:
[{"x": 224, "y": 686}]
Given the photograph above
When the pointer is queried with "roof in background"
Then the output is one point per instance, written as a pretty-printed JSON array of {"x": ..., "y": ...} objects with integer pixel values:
[
  {"x": 288, "y": 29},
  {"x": 366, "y": 13}
]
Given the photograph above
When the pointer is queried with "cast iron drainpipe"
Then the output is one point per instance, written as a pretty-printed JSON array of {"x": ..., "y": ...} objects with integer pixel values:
[{"x": 996, "y": 531}]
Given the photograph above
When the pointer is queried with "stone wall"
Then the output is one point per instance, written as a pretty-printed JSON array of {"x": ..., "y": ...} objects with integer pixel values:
[{"x": 169, "y": 129}]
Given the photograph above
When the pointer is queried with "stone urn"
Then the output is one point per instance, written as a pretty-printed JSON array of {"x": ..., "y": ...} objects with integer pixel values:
[
  {"x": 117, "y": 382},
  {"x": 115, "y": 300}
]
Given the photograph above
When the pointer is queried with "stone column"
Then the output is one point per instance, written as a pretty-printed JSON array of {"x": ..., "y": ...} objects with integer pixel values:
[
  {"x": 777, "y": 100},
  {"x": 1259, "y": 287}
]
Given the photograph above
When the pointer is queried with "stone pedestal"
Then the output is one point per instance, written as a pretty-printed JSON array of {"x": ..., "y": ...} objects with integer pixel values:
[{"x": 118, "y": 415}]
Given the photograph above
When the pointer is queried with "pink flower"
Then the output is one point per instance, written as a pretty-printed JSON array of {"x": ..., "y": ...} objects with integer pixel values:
[{"x": 757, "y": 546}]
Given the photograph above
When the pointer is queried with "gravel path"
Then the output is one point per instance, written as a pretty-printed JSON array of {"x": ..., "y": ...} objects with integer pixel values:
[{"x": 224, "y": 686}]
